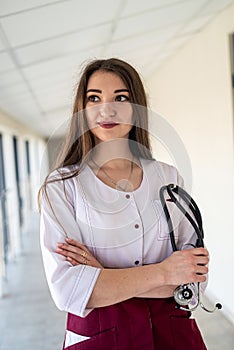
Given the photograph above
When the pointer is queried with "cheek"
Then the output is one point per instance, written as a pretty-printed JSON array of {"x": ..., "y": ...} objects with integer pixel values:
[
  {"x": 91, "y": 116},
  {"x": 125, "y": 113},
  {"x": 127, "y": 128}
]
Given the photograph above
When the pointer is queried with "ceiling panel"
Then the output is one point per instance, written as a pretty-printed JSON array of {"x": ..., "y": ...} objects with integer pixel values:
[
  {"x": 53, "y": 92},
  {"x": 70, "y": 63},
  {"x": 63, "y": 45},
  {"x": 10, "y": 78},
  {"x": 154, "y": 38},
  {"x": 13, "y": 91},
  {"x": 6, "y": 62},
  {"x": 58, "y": 101},
  {"x": 148, "y": 55},
  {"x": 2, "y": 46},
  {"x": 28, "y": 109},
  {"x": 51, "y": 80},
  {"x": 138, "y": 6},
  {"x": 153, "y": 20},
  {"x": 16, "y": 101},
  {"x": 10, "y": 6},
  {"x": 197, "y": 24},
  {"x": 214, "y": 6},
  {"x": 57, "y": 19}
]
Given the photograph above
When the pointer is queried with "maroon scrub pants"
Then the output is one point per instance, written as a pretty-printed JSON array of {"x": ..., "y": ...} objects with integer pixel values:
[{"x": 137, "y": 324}]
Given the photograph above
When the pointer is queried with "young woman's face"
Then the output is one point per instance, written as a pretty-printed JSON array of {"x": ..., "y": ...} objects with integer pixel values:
[{"x": 108, "y": 110}]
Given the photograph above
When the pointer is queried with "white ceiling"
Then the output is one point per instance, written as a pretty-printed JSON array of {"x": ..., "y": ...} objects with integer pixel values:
[{"x": 44, "y": 43}]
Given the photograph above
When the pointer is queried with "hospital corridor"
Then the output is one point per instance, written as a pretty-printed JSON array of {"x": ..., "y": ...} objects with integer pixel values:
[{"x": 183, "y": 51}]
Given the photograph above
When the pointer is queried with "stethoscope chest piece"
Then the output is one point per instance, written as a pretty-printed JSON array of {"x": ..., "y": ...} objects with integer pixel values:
[{"x": 184, "y": 294}]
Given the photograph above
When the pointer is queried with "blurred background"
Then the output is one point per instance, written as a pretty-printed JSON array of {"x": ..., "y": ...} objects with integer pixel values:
[{"x": 184, "y": 52}]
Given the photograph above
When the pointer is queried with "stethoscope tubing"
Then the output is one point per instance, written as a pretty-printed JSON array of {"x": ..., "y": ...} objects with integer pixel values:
[
  {"x": 198, "y": 227},
  {"x": 192, "y": 206}
]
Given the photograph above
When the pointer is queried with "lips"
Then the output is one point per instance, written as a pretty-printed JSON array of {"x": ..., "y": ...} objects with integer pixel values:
[{"x": 106, "y": 125}]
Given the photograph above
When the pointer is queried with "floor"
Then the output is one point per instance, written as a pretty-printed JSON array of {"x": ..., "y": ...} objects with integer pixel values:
[
  {"x": 217, "y": 331},
  {"x": 29, "y": 319}
]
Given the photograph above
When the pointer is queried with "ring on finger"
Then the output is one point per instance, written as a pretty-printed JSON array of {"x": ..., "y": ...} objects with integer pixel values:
[
  {"x": 84, "y": 261},
  {"x": 84, "y": 254}
]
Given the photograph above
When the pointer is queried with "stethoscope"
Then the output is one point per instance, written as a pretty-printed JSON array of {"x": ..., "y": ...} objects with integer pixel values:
[{"x": 185, "y": 295}]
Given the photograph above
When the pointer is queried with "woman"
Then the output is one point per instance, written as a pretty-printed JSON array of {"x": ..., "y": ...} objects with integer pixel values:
[{"x": 105, "y": 245}]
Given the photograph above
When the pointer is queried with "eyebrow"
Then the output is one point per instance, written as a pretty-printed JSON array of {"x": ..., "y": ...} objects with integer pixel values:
[
  {"x": 121, "y": 90},
  {"x": 94, "y": 90},
  {"x": 100, "y": 91}
]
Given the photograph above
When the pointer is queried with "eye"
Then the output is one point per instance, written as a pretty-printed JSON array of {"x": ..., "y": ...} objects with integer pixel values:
[
  {"x": 122, "y": 98},
  {"x": 92, "y": 98}
]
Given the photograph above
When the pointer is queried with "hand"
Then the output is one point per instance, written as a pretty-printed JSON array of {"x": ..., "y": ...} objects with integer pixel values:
[
  {"x": 77, "y": 254},
  {"x": 186, "y": 266}
]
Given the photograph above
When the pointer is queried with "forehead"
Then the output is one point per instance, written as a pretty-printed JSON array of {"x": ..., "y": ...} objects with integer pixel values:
[{"x": 103, "y": 79}]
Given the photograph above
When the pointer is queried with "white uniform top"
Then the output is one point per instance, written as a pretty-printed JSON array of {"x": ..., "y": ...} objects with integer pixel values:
[{"x": 121, "y": 229}]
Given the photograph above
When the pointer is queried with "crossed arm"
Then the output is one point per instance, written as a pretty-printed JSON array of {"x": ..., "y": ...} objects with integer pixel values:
[{"x": 152, "y": 281}]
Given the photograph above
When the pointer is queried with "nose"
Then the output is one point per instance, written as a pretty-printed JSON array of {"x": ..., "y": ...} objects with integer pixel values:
[{"x": 107, "y": 110}]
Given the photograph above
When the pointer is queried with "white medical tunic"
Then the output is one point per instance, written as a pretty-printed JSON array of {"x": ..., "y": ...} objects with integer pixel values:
[{"x": 121, "y": 229}]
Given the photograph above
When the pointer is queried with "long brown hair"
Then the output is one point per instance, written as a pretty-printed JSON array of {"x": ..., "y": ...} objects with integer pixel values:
[{"x": 79, "y": 140}]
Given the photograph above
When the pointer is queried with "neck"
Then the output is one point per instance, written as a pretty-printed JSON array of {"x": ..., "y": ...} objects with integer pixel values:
[{"x": 114, "y": 154}]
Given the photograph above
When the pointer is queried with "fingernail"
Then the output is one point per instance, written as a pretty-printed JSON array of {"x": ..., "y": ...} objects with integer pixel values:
[{"x": 68, "y": 239}]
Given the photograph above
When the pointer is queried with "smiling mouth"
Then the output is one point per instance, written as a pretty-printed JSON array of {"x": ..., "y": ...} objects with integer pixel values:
[{"x": 107, "y": 125}]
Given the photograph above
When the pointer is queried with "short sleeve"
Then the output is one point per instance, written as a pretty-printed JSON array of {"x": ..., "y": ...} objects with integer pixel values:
[{"x": 70, "y": 286}]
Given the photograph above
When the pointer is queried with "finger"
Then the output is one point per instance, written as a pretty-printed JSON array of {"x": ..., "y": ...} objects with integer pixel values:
[
  {"x": 76, "y": 257},
  {"x": 199, "y": 278},
  {"x": 200, "y": 251},
  {"x": 76, "y": 244},
  {"x": 79, "y": 258},
  {"x": 201, "y": 270},
  {"x": 203, "y": 260},
  {"x": 69, "y": 248},
  {"x": 63, "y": 252},
  {"x": 72, "y": 261},
  {"x": 195, "y": 252},
  {"x": 84, "y": 253}
]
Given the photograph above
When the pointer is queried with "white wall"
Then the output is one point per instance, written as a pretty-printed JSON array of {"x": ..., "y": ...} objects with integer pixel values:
[{"x": 192, "y": 90}]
